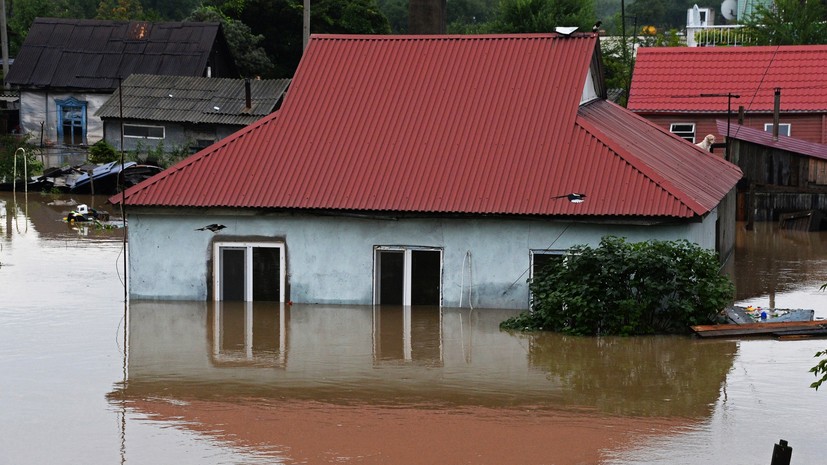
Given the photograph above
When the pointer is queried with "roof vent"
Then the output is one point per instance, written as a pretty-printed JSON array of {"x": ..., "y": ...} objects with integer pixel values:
[{"x": 565, "y": 31}]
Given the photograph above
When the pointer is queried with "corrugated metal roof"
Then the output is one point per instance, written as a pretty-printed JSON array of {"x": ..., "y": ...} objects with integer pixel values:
[
  {"x": 92, "y": 54},
  {"x": 193, "y": 99},
  {"x": 765, "y": 138},
  {"x": 447, "y": 124},
  {"x": 671, "y": 79}
]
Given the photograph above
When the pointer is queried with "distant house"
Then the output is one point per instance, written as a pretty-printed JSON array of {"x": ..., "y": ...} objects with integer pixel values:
[
  {"x": 67, "y": 68},
  {"x": 185, "y": 112},
  {"x": 421, "y": 170},
  {"x": 782, "y": 175},
  {"x": 685, "y": 90}
]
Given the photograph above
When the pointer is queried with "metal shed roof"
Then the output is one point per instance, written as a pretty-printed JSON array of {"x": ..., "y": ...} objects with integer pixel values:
[
  {"x": 765, "y": 138},
  {"x": 672, "y": 79},
  {"x": 193, "y": 99},
  {"x": 446, "y": 124}
]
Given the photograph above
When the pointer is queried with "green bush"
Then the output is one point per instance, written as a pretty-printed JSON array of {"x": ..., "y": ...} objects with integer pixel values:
[
  {"x": 624, "y": 288},
  {"x": 9, "y": 150},
  {"x": 102, "y": 152}
]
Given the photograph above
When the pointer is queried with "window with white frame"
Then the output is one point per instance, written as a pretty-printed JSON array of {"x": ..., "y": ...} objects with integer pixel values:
[
  {"x": 249, "y": 271},
  {"x": 683, "y": 130},
  {"x": 783, "y": 128},
  {"x": 143, "y": 131}
]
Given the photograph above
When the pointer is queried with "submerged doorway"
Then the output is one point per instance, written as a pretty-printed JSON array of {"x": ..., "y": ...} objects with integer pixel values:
[
  {"x": 407, "y": 276},
  {"x": 248, "y": 271}
]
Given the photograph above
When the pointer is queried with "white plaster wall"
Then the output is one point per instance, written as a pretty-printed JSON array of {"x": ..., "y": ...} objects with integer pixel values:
[
  {"x": 330, "y": 259},
  {"x": 39, "y": 107}
]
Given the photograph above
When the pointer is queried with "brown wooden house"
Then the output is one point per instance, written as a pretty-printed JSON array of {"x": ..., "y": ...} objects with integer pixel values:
[{"x": 784, "y": 177}]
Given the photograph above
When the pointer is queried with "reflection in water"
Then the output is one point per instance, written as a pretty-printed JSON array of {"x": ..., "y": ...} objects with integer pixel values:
[
  {"x": 260, "y": 383},
  {"x": 654, "y": 376},
  {"x": 249, "y": 334},
  {"x": 412, "y": 355},
  {"x": 769, "y": 260},
  {"x": 406, "y": 334}
]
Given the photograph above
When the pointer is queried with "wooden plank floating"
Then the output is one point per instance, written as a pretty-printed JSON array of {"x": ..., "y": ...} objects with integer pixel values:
[{"x": 778, "y": 329}]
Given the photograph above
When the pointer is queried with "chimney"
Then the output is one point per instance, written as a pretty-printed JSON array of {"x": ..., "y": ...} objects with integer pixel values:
[
  {"x": 248, "y": 98},
  {"x": 776, "y": 113}
]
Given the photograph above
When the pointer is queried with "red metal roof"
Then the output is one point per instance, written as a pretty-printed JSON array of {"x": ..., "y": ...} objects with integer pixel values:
[
  {"x": 671, "y": 79},
  {"x": 765, "y": 138},
  {"x": 446, "y": 124}
]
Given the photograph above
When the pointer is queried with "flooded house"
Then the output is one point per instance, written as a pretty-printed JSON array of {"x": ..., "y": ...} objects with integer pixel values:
[
  {"x": 176, "y": 113},
  {"x": 421, "y": 170},
  {"x": 785, "y": 178},
  {"x": 67, "y": 68},
  {"x": 685, "y": 90}
]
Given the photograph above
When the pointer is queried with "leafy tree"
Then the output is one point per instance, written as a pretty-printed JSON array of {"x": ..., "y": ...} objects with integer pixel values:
[
  {"x": 397, "y": 13},
  {"x": 280, "y": 21},
  {"x": 787, "y": 22},
  {"x": 521, "y": 16},
  {"x": 166, "y": 10},
  {"x": 627, "y": 288},
  {"x": 120, "y": 10},
  {"x": 250, "y": 58},
  {"x": 21, "y": 15}
]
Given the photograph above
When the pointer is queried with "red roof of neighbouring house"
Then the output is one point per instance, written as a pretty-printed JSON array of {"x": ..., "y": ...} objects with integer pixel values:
[
  {"x": 447, "y": 124},
  {"x": 789, "y": 144},
  {"x": 672, "y": 79}
]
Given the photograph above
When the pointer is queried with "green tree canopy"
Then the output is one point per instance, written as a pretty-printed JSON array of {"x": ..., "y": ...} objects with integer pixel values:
[
  {"x": 521, "y": 16},
  {"x": 250, "y": 58},
  {"x": 787, "y": 22},
  {"x": 120, "y": 10},
  {"x": 280, "y": 21}
]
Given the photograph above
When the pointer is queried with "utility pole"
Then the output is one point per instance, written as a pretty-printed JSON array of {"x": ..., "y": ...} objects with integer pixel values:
[
  {"x": 4, "y": 42},
  {"x": 306, "y": 25}
]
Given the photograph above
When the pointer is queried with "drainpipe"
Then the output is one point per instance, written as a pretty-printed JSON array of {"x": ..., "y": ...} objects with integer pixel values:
[{"x": 776, "y": 113}]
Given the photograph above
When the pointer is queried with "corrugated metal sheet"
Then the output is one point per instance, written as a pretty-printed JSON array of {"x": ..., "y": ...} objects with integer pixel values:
[
  {"x": 193, "y": 99},
  {"x": 447, "y": 124},
  {"x": 765, "y": 138},
  {"x": 671, "y": 79},
  {"x": 91, "y": 54}
]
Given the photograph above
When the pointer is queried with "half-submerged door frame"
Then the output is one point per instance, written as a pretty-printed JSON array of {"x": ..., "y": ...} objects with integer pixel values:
[
  {"x": 407, "y": 270},
  {"x": 248, "y": 268}
]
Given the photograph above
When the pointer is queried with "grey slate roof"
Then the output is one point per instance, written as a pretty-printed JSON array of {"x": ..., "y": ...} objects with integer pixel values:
[
  {"x": 92, "y": 54},
  {"x": 193, "y": 99}
]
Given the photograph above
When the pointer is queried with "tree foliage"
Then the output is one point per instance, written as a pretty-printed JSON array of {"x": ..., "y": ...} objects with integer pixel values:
[
  {"x": 280, "y": 21},
  {"x": 627, "y": 288},
  {"x": 524, "y": 16},
  {"x": 10, "y": 152},
  {"x": 787, "y": 22},
  {"x": 120, "y": 10},
  {"x": 250, "y": 57}
]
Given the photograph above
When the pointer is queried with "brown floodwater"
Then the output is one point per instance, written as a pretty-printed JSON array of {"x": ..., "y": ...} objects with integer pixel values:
[{"x": 86, "y": 378}]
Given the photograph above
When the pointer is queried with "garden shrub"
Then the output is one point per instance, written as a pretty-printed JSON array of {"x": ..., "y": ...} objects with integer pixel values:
[
  {"x": 102, "y": 152},
  {"x": 625, "y": 288},
  {"x": 9, "y": 145}
]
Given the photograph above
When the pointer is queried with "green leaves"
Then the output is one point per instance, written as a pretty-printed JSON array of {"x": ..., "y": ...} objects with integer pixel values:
[{"x": 627, "y": 288}]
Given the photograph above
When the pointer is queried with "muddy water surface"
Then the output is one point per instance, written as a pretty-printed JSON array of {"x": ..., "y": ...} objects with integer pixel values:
[{"x": 84, "y": 379}]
